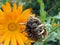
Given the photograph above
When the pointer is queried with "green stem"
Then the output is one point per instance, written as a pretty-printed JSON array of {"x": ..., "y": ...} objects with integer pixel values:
[
  {"x": 45, "y": 43},
  {"x": 59, "y": 42},
  {"x": 53, "y": 30},
  {"x": 42, "y": 11},
  {"x": 53, "y": 20}
]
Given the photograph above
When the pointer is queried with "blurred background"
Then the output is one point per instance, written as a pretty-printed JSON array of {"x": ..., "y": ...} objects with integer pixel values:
[{"x": 48, "y": 8}]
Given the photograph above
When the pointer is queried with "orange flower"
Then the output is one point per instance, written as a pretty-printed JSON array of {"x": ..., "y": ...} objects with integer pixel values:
[
  {"x": 12, "y": 20},
  {"x": 55, "y": 24}
]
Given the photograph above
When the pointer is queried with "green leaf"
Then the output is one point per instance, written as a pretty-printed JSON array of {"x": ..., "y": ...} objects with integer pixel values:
[
  {"x": 39, "y": 43},
  {"x": 42, "y": 11},
  {"x": 58, "y": 34},
  {"x": 52, "y": 36},
  {"x": 57, "y": 16}
]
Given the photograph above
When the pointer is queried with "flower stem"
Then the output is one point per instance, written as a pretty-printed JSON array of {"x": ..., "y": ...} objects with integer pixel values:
[
  {"x": 53, "y": 30},
  {"x": 42, "y": 11}
]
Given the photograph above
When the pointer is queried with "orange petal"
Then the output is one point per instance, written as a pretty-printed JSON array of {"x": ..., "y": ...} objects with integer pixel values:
[
  {"x": 13, "y": 40},
  {"x": 14, "y": 6},
  {"x": 2, "y": 38},
  {"x": 1, "y": 13},
  {"x": 2, "y": 29},
  {"x": 14, "y": 12},
  {"x": 13, "y": 16},
  {"x": 25, "y": 33},
  {"x": 8, "y": 17},
  {"x": 19, "y": 39},
  {"x": 2, "y": 18},
  {"x": 2, "y": 32},
  {"x": 7, "y": 39},
  {"x": 23, "y": 37},
  {"x": 23, "y": 18},
  {"x": 20, "y": 8},
  {"x": 6, "y": 9},
  {"x": 22, "y": 27},
  {"x": 8, "y": 6}
]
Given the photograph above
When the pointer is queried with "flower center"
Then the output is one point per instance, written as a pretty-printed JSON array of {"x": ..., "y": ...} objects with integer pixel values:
[{"x": 12, "y": 26}]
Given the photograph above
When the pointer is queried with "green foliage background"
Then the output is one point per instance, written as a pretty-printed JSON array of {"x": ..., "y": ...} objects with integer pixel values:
[{"x": 49, "y": 13}]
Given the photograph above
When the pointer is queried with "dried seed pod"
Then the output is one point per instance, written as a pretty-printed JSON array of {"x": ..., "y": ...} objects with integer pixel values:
[{"x": 35, "y": 28}]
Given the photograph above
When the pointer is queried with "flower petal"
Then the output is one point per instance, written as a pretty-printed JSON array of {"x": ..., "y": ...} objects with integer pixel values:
[
  {"x": 22, "y": 27},
  {"x": 14, "y": 6},
  {"x": 2, "y": 29},
  {"x": 13, "y": 39},
  {"x": 2, "y": 17},
  {"x": 7, "y": 39},
  {"x": 9, "y": 7},
  {"x": 3, "y": 20},
  {"x": 19, "y": 39},
  {"x": 14, "y": 15},
  {"x": 23, "y": 18},
  {"x": 1, "y": 13},
  {"x": 6, "y": 8},
  {"x": 25, "y": 38},
  {"x": 2, "y": 38},
  {"x": 14, "y": 12},
  {"x": 20, "y": 8}
]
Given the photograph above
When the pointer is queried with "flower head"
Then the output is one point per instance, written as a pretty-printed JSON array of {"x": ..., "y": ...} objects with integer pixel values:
[
  {"x": 12, "y": 20},
  {"x": 55, "y": 24}
]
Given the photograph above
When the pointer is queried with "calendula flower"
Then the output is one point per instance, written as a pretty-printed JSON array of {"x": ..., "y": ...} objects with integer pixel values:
[
  {"x": 12, "y": 20},
  {"x": 55, "y": 24}
]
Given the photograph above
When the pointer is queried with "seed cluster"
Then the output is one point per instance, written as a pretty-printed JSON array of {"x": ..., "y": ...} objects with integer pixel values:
[{"x": 34, "y": 29}]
